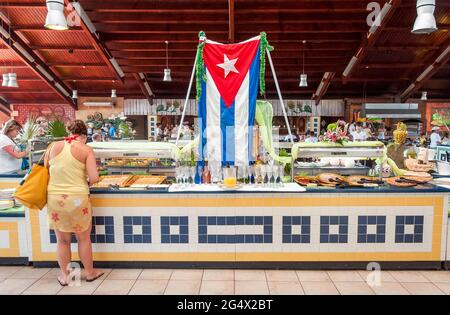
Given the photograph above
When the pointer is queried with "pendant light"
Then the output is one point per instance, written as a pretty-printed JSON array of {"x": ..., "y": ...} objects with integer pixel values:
[
  {"x": 12, "y": 77},
  {"x": 5, "y": 79},
  {"x": 56, "y": 19},
  {"x": 113, "y": 93},
  {"x": 167, "y": 75},
  {"x": 13, "y": 80},
  {"x": 75, "y": 94},
  {"x": 303, "y": 76},
  {"x": 425, "y": 22},
  {"x": 424, "y": 96}
]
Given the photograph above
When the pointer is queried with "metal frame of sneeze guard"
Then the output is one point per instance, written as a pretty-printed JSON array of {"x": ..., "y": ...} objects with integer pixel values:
[
  {"x": 338, "y": 152},
  {"x": 118, "y": 153}
]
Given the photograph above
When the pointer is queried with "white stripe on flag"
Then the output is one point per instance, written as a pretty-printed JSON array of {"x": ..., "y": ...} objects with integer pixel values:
[
  {"x": 213, "y": 136},
  {"x": 241, "y": 123}
]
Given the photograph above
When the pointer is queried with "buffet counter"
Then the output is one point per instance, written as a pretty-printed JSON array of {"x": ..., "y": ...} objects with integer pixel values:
[
  {"x": 314, "y": 228},
  {"x": 331, "y": 228}
]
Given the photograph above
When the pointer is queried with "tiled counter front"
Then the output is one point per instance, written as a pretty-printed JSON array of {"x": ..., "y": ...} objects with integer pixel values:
[
  {"x": 352, "y": 227},
  {"x": 13, "y": 240}
]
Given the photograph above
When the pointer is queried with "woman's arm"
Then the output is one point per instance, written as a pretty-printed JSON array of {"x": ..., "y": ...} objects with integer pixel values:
[
  {"x": 15, "y": 154},
  {"x": 91, "y": 167}
]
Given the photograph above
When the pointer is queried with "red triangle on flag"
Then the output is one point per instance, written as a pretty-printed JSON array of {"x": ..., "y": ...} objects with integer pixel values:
[{"x": 228, "y": 66}]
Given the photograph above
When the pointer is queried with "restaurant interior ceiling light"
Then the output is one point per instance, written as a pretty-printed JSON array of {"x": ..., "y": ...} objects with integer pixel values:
[
  {"x": 303, "y": 80},
  {"x": 99, "y": 104},
  {"x": 74, "y": 94},
  {"x": 113, "y": 93},
  {"x": 13, "y": 80},
  {"x": 167, "y": 72},
  {"x": 425, "y": 22},
  {"x": 303, "y": 76},
  {"x": 424, "y": 96},
  {"x": 5, "y": 79},
  {"x": 56, "y": 19}
]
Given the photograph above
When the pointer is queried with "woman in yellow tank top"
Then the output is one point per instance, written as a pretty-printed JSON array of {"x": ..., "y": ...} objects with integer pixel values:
[{"x": 72, "y": 169}]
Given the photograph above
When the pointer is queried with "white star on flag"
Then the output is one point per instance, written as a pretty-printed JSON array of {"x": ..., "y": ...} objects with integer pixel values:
[{"x": 228, "y": 65}]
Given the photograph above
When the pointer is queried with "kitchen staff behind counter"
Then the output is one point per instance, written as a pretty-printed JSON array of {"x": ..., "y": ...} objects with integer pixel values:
[{"x": 10, "y": 155}]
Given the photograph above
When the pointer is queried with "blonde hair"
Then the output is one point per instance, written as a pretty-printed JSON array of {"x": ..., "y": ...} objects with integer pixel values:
[{"x": 10, "y": 125}]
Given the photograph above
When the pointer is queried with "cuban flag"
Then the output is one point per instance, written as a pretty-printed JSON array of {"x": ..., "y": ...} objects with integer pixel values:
[{"x": 227, "y": 103}]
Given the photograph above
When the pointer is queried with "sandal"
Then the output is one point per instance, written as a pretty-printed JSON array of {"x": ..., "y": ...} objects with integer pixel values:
[
  {"x": 95, "y": 278},
  {"x": 63, "y": 284}
]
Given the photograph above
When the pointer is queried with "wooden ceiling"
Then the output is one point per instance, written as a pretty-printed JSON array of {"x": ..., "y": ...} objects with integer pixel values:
[{"x": 134, "y": 32}]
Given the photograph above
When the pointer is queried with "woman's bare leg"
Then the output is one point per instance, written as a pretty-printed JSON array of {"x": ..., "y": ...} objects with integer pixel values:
[
  {"x": 64, "y": 253},
  {"x": 85, "y": 253}
]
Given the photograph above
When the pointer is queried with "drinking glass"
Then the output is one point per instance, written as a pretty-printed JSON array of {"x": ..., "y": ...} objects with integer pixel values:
[
  {"x": 281, "y": 174},
  {"x": 250, "y": 173},
  {"x": 185, "y": 174},
  {"x": 276, "y": 175},
  {"x": 192, "y": 172},
  {"x": 269, "y": 175},
  {"x": 264, "y": 174},
  {"x": 200, "y": 173}
]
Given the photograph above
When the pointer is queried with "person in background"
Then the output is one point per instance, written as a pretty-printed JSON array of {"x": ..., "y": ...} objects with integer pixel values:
[
  {"x": 368, "y": 131},
  {"x": 72, "y": 168},
  {"x": 381, "y": 133},
  {"x": 359, "y": 134},
  {"x": 311, "y": 137},
  {"x": 423, "y": 139},
  {"x": 435, "y": 138},
  {"x": 112, "y": 132},
  {"x": 445, "y": 138},
  {"x": 10, "y": 156},
  {"x": 96, "y": 137},
  {"x": 352, "y": 127}
]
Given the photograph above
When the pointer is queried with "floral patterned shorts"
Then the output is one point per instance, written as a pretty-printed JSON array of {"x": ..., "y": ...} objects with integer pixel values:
[{"x": 69, "y": 213}]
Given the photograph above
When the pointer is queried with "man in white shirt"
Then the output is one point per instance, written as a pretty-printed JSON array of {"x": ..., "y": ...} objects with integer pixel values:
[
  {"x": 310, "y": 138},
  {"x": 435, "y": 138},
  {"x": 352, "y": 128},
  {"x": 359, "y": 134}
]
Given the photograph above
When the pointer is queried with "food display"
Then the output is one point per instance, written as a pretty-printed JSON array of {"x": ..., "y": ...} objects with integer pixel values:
[
  {"x": 113, "y": 180},
  {"x": 118, "y": 162},
  {"x": 141, "y": 181},
  {"x": 415, "y": 165}
]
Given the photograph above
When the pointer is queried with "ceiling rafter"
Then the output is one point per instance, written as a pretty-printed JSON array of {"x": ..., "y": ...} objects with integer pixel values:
[
  {"x": 371, "y": 38},
  {"x": 145, "y": 86},
  {"x": 33, "y": 61},
  {"x": 89, "y": 28},
  {"x": 439, "y": 60}
]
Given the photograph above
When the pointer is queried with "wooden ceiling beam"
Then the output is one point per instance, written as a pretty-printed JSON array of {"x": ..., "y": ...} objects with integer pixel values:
[
  {"x": 323, "y": 86},
  {"x": 144, "y": 85},
  {"x": 438, "y": 61},
  {"x": 371, "y": 38},
  {"x": 5, "y": 106},
  {"x": 89, "y": 29},
  {"x": 30, "y": 58}
]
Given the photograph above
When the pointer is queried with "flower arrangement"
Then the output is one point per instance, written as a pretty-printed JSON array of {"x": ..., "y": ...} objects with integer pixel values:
[{"x": 336, "y": 133}]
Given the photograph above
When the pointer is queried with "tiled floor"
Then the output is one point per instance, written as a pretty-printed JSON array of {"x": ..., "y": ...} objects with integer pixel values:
[{"x": 28, "y": 280}]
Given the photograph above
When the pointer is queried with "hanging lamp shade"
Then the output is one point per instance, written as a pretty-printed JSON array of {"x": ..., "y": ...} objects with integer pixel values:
[
  {"x": 75, "y": 94},
  {"x": 167, "y": 76},
  {"x": 13, "y": 80},
  {"x": 167, "y": 72},
  {"x": 5, "y": 79},
  {"x": 425, "y": 22},
  {"x": 113, "y": 93},
  {"x": 424, "y": 96},
  {"x": 303, "y": 80},
  {"x": 56, "y": 19}
]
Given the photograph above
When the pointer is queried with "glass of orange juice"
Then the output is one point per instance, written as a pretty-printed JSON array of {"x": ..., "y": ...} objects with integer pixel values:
[{"x": 229, "y": 176}]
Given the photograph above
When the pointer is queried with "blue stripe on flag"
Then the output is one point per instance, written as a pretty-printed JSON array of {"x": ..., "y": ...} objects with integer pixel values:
[
  {"x": 253, "y": 93},
  {"x": 227, "y": 132}
]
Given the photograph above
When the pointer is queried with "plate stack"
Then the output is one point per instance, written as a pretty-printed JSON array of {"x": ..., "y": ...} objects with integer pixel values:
[{"x": 7, "y": 199}]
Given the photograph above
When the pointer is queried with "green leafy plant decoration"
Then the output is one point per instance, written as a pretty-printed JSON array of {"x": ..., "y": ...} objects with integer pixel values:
[{"x": 57, "y": 129}]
